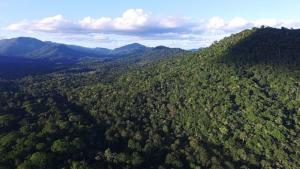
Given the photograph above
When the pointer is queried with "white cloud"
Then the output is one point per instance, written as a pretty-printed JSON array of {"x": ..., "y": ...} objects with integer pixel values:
[
  {"x": 94, "y": 24},
  {"x": 277, "y": 23},
  {"x": 132, "y": 21},
  {"x": 17, "y": 26},
  {"x": 50, "y": 23},
  {"x": 215, "y": 23},
  {"x": 137, "y": 23},
  {"x": 53, "y": 24},
  {"x": 265, "y": 22},
  {"x": 238, "y": 23}
]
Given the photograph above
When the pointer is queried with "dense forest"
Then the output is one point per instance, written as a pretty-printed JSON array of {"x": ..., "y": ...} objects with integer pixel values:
[{"x": 235, "y": 104}]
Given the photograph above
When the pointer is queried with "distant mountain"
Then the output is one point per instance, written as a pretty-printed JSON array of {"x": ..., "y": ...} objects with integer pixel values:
[
  {"x": 33, "y": 56},
  {"x": 151, "y": 55},
  {"x": 160, "y": 48},
  {"x": 158, "y": 53},
  {"x": 32, "y": 48},
  {"x": 95, "y": 51},
  {"x": 124, "y": 50},
  {"x": 129, "y": 49},
  {"x": 35, "y": 49},
  {"x": 20, "y": 46},
  {"x": 58, "y": 52},
  {"x": 103, "y": 51}
]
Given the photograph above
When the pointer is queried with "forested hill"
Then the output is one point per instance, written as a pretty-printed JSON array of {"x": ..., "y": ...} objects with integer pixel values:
[
  {"x": 235, "y": 104},
  {"x": 268, "y": 45}
]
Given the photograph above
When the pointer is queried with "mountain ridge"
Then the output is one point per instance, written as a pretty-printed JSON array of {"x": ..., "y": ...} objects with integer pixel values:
[
  {"x": 35, "y": 48},
  {"x": 19, "y": 52}
]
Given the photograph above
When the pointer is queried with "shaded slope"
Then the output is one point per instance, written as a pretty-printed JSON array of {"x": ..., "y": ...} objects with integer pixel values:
[
  {"x": 260, "y": 46},
  {"x": 15, "y": 67}
]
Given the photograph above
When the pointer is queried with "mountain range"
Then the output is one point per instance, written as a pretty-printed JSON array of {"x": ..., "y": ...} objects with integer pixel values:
[
  {"x": 32, "y": 48},
  {"x": 24, "y": 55}
]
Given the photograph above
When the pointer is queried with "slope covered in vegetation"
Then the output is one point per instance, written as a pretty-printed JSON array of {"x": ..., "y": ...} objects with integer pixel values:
[{"x": 235, "y": 104}]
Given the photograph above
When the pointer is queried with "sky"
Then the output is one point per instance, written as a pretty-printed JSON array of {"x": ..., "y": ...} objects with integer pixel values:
[{"x": 112, "y": 23}]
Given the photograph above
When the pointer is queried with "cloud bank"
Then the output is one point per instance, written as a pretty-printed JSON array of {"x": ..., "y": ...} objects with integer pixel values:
[
  {"x": 145, "y": 25},
  {"x": 132, "y": 22}
]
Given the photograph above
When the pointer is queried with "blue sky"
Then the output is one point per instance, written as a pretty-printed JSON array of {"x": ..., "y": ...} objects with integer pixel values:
[{"x": 112, "y": 23}]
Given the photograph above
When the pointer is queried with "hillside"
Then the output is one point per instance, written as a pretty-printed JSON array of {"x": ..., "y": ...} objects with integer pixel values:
[{"x": 234, "y": 104}]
